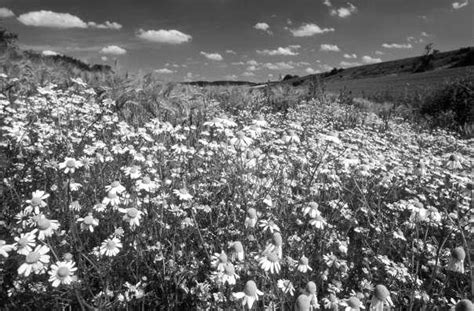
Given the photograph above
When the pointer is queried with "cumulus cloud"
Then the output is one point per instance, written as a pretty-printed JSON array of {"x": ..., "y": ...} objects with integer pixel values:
[
  {"x": 329, "y": 48},
  {"x": 307, "y": 30},
  {"x": 459, "y": 5},
  {"x": 49, "y": 53},
  {"x": 327, "y": 3},
  {"x": 248, "y": 74},
  {"x": 344, "y": 12},
  {"x": 350, "y": 56},
  {"x": 164, "y": 71},
  {"x": 252, "y": 62},
  {"x": 397, "y": 45},
  {"x": 370, "y": 60},
  {"x": 113, "y": 50},
  {"x": 288, "y": 51},
  {"x": 104, "y": 58},
  {"x": 61, "y": 20},
  {"x": 310, "y": 70},
  {"x": 212, "y": 56},
  {"x": 379, "y": 53},
  {"x": 230, "y": 52},
  {"x": 263, "y": 26},
  {"x": 349, "y": 64},
  {"x": 278, "y": 66},
  {"x": 171, "y": 36},
  {"x": 4, "y": 13}
]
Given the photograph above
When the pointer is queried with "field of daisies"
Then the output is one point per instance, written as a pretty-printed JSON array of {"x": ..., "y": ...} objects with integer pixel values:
[{"x": 319, "y": 207}]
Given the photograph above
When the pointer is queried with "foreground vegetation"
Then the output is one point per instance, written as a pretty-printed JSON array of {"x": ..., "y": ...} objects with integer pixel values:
[{"x": 144, "y": 196}]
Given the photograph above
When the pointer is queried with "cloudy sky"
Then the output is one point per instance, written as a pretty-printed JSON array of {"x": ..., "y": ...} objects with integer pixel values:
[{"x": 238, "y": 39}]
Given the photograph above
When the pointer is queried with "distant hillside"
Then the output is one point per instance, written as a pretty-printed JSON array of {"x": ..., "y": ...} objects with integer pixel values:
[{"x": 220, "y": 83}]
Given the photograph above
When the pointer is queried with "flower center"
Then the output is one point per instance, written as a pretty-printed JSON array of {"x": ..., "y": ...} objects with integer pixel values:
[
  {"x": 88, "y": 220},
  {"x": 132, "y": 212},
  {"x": 43, "y": 223},
  {"x": 240, "y": 135},
  {"x": 63, "y": 272},
  {"x": 353, "y": 302},
  {"x": 23, "y": 242},
  {"x": 311, "y": 287},
  {"x": 223, "y": 258},
  {"x": 71, "y": 163},
  {"x": 304, "y": 261},
  {"x": 250, "y": 289},
  {"x": 146, "y": 180},
  {"x": 32, "y": 257},
  {"x": 277, "y": 240},
  {"x": 272, "y": 257},
  {"x": 115, "y": 184},
  {"x": 238, "y": 247},
  {"x": 252, "y": 213},
  {"x": 35, "y": 201},
  {"x": 111, "y": 195},
  {"x": 111, "y": 245},
  {"x": 229, "y": 269}
]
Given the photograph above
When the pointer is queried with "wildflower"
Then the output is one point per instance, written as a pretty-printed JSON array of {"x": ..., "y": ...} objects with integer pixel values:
[
  {"x": 353, "y": 304},
  {"x": 311, "y": 291},
  {"x": 456, "y": 262},
  {"x": 110, "y": 247},
  {"x": 303, "y": 265},
  {"x": 381, "y": 298},
  {"x": 75, "y": 206},
  {"x": 88, "y": 222},
  {"x": 35, "y": 261},
  {"x": 37, "y": 200},
  {"x": 115, "y": 187},
  {"x": 276, "y": 245},
  {"x": 318, "y": 222},
  {"x": 228, "y": 275},
  {"x": 132, "y": 215},
  {"x": 219, "y": 261},
  {"x": 303, "y": 303},
  {"x": 291, "y": 137},
  {"x": 133, "y": 172},
  {"x": 270, "y": 262},
  {"x": 146, "y": 184},
  {"x": 331, "y": 303},
  {"x": 237, "y": 251},
  {"x": 464, "y": 305},
  {"x": 183, "y": 194},
  {"x": 46, "y": 226},
  {"x": 286, "y": 286},
  {"x": 249, "y": 295},
  {"x": 62, "y": 273},
  {"x": 70, "y": 165},
  {"x": 269, "y": 225},
  {"x": 74, "y": 186},
  {"x": 454, "y": 163},
  {"x": 112, "y": 198},
  {"x": 311, "y": 210},
  {"x": 25, "y": 243},
  {"x": 420, "y": 169},
  {"x": 187, "y": 222},
  {"x": 251, "y": 219},
  {"x": 5, "y": 248},
  {"x": 241, "y": 141},
  {"x": 99, "y": 207}
]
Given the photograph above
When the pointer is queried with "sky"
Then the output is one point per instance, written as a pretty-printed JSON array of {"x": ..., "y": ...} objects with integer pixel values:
[{"x": 252, "y": 40}]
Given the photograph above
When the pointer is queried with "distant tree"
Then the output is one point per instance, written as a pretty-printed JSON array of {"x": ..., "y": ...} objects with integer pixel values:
[
  {"x": 288, "y": 77},
  {"x": 425, "y": 62}
]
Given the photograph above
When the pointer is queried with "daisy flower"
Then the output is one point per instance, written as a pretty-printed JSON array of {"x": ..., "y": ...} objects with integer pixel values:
[
  {"x": 132, "y": 215},
  {"x": 110, "y": 247},
  {"x": 270, "y": 262},
  {"x": 37, "y": 201},
  {"x": 303, "y": 303},
  {"x": 74, "y": 186},
  {"x": 62, "y": 273},
  {"x": 453, "y": 162},
  {"x": 276, "y": 245},
  {"x": 311, "y": 290},
  {"x": 75, "y": 206},
  {"x": 88, "y": 222},
  {"x": 311, "y": 210},
  {"x": 241, "y": 141},
  {"x": 5, "y": 248},
  {"x": 25, "y": 242},
  {"x": 249, "y": 295},
  {"x": 219, "y": 261},
  {"x": 115, "y": 187},
  {"x": 291, "y": 137},
  {"x": 353, "y": 304},
  {"x": 381, "y": 298},
  {"x": 133, "y": 172},
  {"x": 456, "y": 262},
  {"x": 46, "y": 227},
  {"x": 146, "y": 184},
  {"x": 112, "y": 198},
  {"x": 237, "y": 251},
  {"x": 251, "y": 219},
  {"x": 229, "y": 276},
  {"x": 183, "y": 194},
  {"x": 286, "y": 286},
  {"x": 318, "y": 222},
  {"x": 269, "y": 225},
  {"x": 70, "y": 165},
  {"x": 35, "y": 261},
  {"x": 303, "y": 265}
]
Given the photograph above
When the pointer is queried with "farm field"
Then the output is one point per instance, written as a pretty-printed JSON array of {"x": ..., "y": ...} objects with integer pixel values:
[{"x": 202, "y": 205}]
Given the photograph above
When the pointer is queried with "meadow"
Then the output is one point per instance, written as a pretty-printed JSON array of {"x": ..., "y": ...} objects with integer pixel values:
[{"x": 133, "y": 195}]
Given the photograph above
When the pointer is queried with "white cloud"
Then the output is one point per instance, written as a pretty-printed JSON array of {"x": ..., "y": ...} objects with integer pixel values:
[
  {"x": 350, "y": 56},
  {"x": 164, "y": 71},
  {"x": 171, "y": 36},
  {"x": 424, "y": 34},
  {"x": 212, "y": 56},
  {"x": 327, "y": 3},
  {"x": 263, "y": 26},
  {"x": 278, "y": 66},
  {"x": 344, "y": 11},
  {"x": 106, "y": 25},
  {"x": 4, "y": 13},
  {"x": 349, "y": 64},
  {"x": 458, "y": 5},
  {"x": 230, "y": 52},
  {"x": 307, "y": 30},
  {"x": 104, "y": 58},
  {"x": 252, "y": 68},
  {"x": 310, "y": 71},
  {"x": 248, "y": 74},
  {"x": 230, "y": 77},
  {"x": 379, "y": 53},
  {"x": 397, "y": 45},
  {"x": 61, "y": 20},
  {"x": 252, "y": 62},
  {"x": 113, "y": 50},
  {"x": 288, "y": 51},
  {"x": 370, "y": 60},
  {"x": 329, "y": 48},
  {"x": 49, "y": 53}
]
